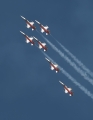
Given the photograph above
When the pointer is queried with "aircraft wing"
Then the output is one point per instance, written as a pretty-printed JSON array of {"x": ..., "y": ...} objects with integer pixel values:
[
  {"x": 69, "y": 89},
  {"x": 28, "y": 26},
  {"x": 31, "y": 38},
  {"x": 31, "y": 23},
  {"x": 42, "y": 30},
  {"x": 56, "y": 65},
  {"x": 70, "y": 95},
  {"x": 40, "y": 46},
  {"x": 46, "y": 27},
  {"x": 52, "y": 68},
  {"x": 66, "y": 91},
  {"x": 43, "y": 44},
  {"x": 27, "y": 41}
]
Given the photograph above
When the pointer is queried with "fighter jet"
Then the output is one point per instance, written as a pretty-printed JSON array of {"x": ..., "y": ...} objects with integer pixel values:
[
  {"x": 28, "y": 39},
  {"x": 29, "y": 24},
  {"x": 41, "y": 45},
  {"x": 67, "y": 90},
  {"x": 43, "y": 28},
  {"x": 53, "y": 66}
]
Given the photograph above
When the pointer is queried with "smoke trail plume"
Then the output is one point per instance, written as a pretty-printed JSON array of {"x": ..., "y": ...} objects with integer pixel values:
[
  {"x": 76, "y": 60},
  {"x": 85, "y": 90},
  {"x": 80, "y": 71}
]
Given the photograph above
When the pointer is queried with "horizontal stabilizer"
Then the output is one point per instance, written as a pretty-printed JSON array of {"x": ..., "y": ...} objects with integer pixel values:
[
  {"x": 70, "y": 95},
  {"x": 44, "y": 50}
]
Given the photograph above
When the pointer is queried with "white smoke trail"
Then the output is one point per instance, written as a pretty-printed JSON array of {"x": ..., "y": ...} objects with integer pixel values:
[
  {"x": 82, "y": 73},
  {"x": 76, "y": 60},
  {"x": 85, "y": 90}
]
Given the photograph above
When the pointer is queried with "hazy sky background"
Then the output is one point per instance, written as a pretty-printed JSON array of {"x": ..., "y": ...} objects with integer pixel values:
[{"x": 29, "y": 90}]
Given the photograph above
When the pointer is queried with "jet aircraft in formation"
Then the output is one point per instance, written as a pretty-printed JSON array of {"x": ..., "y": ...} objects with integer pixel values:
[
  {"x": 43, "y": 28},
  {"x": 28, "y": 39},
  {"x": 29, "y": 24},
  {"x": 67, "y": 90},
  {"x": 43, "y": 45},
  {"x": 53, "y": 66}
]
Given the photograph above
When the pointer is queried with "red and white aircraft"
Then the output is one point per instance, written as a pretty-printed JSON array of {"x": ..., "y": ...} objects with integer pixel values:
[
  {"x": 28, "y": 39},
  {"x": 43, "y": 28},
  {"x": 29, "y": 24},
  {"x": 41, "y": 45},
  {"x": 67, "y": 90},
  {"x": 53, "y": 66}
]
